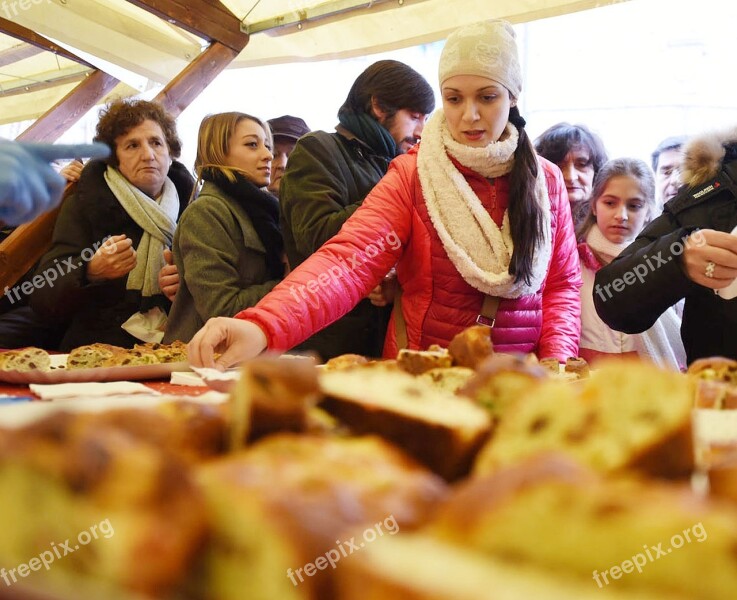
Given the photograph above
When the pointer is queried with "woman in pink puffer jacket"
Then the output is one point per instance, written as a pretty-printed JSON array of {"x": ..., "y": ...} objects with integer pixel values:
[{"x": 478, "y": 228}]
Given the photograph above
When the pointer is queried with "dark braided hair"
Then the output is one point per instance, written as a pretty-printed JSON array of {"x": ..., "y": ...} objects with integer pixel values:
[{"x": 525, "y": 214}]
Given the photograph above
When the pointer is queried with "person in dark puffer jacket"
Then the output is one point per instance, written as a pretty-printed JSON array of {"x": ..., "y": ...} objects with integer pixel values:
[{"x": 687, "y": 252}]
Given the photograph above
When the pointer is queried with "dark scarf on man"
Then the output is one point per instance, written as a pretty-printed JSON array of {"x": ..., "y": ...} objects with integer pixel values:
[
  {"x": 263, "y": 210},
  {"x": 370, "y": 132}
]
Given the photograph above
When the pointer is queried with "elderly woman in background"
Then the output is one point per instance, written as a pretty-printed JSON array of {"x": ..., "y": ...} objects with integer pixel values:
[
  {"x": 579, "y": 153},
  {"x": 228, "y": 247},
  {"x": 109, "y": 240}
]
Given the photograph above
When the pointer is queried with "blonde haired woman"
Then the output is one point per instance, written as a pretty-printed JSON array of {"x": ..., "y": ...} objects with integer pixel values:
[{"x": 228, "y": 248}]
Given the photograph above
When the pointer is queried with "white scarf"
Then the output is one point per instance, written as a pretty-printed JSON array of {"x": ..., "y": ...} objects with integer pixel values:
[
  {"x": 605, "y": 250},
  {"x": 478, "y": 249},
  {"x": 158, "y": 221}
]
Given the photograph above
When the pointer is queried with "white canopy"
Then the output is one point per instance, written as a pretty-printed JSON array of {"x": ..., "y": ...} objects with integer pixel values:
[{"x": 144, "y": 51}]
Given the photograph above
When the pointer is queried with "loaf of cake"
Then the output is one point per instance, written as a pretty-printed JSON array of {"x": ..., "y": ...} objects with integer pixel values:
[
  {"x": 165, "y": 353},
  {"x": 441, "y": 430},
  {"x": 290, "y": 501},
  {"x": 610, "y": 532},
  {"x": 551, "y": 364},
  {"x": 345, "y": 361},
  {"x": 422, "y": 567},
  {"x": 449, "y": 379},
  {"x": 93, "y": 356},
  {"x": 272, "y": 395},
  {"x": 629, "y": 415},
  {"x": 126, "y": 511},
  {"x": 714, "y": 368},
  {"x": 416, "y": 362},
  {"x": 25, "y": 360},
  {"x": 471, "y": 347},
  {"x": 501, "y": 380},
  {"x": 714, "y": 394},
  {"x": 193, "y": 431},
  {"x": 716, "y": 382},
  {"x": 577, "y": 366}
]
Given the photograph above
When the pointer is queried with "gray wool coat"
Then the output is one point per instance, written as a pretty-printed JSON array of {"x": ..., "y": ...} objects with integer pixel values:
[{"x": 221, "y": 263}]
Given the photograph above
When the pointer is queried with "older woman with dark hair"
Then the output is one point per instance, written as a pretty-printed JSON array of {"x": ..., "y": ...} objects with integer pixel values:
[
  {"x": 579, "y": 153},
  {"x": 111, "y": 234}
]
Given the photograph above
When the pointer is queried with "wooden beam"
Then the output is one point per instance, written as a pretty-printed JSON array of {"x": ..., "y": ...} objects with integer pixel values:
[
  {"x": 196, "y": 76},
  {"x": 24, "y": 34},
  {"x": 65, "y": 113},
  {"x": 29, "y": 242},
  {"x": 35, "y": 86},
  {"x": 16, "y": 53},
  {"x": 208, "y": 19}
]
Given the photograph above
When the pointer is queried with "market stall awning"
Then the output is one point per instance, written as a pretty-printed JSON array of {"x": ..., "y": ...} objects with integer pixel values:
[{"x": 145, "y": 44}]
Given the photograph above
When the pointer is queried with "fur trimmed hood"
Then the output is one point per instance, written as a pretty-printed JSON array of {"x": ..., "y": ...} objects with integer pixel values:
[{"x": 703, "y": 155}]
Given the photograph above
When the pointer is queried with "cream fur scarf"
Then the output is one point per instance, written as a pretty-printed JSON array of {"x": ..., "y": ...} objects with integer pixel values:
[{"x": 479, "y": 250}]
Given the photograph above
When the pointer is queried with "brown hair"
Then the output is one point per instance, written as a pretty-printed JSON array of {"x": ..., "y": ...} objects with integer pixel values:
[
  {"x": 120, "y": 116},
  {"x": 620, "y": 167},
  {"x": 557, "y": 141},
  {"x": 394, "y": 86}
]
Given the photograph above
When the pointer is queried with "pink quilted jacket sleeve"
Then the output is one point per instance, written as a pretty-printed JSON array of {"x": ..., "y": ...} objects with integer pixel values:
[
  {"x": 343, "y": 271},
  {"x": 561, "y": 328}
]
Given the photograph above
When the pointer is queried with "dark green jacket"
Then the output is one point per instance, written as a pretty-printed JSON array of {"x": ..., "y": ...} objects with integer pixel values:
[{"x": 328, "y": 176}]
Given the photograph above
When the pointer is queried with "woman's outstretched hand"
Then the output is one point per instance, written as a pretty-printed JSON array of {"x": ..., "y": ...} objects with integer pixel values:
[{"x": 235, "y": 340}]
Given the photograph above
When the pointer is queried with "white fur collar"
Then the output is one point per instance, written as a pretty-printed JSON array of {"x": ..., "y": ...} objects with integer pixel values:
[{"x": 703, "y": 156}]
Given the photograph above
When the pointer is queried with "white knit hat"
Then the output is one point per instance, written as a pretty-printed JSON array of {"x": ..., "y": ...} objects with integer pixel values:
[{"x": 487, "y": 49}]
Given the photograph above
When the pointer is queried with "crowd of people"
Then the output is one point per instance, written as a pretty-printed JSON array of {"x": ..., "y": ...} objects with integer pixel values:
[{"x": 365, "y": 241}]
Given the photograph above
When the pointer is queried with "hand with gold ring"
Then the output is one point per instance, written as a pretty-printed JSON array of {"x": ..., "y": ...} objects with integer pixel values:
[{"x": 710, "y": 258}]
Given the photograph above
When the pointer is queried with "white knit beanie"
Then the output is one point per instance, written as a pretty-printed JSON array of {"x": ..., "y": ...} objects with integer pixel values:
[{"x": 487, "y": 49}]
